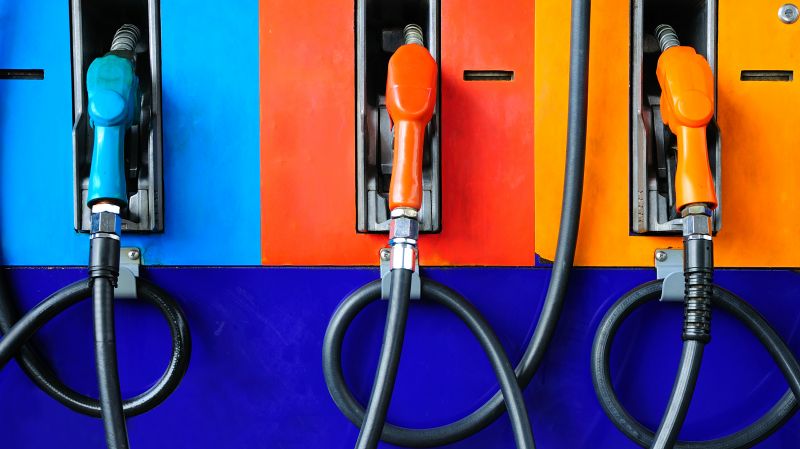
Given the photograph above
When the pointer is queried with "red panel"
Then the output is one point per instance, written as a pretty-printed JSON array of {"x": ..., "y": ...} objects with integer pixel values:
[{"x": 308, "y": 137}]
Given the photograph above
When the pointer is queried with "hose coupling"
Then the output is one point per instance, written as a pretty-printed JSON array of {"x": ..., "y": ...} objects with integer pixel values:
[
  {"x": 403, "y": 237},
  {"x": 106, "y": 221},
  {"x": 104, "y": 242},
  {"x": 403, "y": 256},
  {"x": 403, "y": 229},
  {"x": 697, "y": 226},
  {"x": 698, "y": 272},
  {"x": 408, "y": 212}
]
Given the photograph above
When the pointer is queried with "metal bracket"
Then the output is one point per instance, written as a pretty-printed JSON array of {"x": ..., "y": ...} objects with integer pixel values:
[
  {"x": 130, "y": 259},
  {"x": 386, "y": 281},
  {"x": 669, "y": 267}
]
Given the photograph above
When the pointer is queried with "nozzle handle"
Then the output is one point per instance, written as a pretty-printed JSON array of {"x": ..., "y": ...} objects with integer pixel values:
[
  {"x": 107, "y": 175},
  {"x": 687, "y": 106},
  {"x": 405, "y": 188},
  {"x": 411, "y": 87},
  {"x": 693, "y": 181},
  {"x": 112, "y": 89}
]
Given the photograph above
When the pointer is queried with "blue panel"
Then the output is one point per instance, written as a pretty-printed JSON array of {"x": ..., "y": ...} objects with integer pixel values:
[
  {"x": 211, "y": 141},
  {"x": 255, "y": 378},
  {"x": 36, "y": 219}
]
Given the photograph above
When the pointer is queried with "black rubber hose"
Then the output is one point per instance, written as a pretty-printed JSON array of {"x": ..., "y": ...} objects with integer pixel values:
[
  {"x": 562, "y": 266},
  {"x": 107, "y": 367},
  {"x": 392, "y": 347},
  {"x": 432, "y": 291},
  {"x": 745, "y": 438},
  {"x": 698, "y": 267},
  {"x": 16, "y": 343},
  {"x": 681, "y": 396}
]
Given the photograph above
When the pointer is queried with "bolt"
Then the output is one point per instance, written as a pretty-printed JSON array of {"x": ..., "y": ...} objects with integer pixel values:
[
  {"x": 134, "y": 254},
  {"x": 661, "y": 256},
  {"x": 788, "y": 13},
  {"x": 386, "y": 255}
]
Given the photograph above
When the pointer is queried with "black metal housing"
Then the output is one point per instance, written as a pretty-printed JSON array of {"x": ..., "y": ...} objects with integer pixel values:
[
  {"x": 379, "y": 32},
  {"x": 93, "y": 24}
]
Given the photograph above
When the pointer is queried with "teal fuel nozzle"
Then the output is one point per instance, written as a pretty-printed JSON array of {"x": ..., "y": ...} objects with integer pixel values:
[{"x": 113, "y": 93}]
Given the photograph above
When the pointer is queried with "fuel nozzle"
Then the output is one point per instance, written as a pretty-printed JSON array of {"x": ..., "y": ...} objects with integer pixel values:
[
  {"x": 411, "y": 85},
  {"x": 687, "y": 105},
  {"x": 113, "y": 99}
]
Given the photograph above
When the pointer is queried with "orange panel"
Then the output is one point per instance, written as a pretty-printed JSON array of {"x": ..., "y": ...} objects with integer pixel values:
[
  {"x": 760, "y": 171},
  {"x": 308, "y": 137}
]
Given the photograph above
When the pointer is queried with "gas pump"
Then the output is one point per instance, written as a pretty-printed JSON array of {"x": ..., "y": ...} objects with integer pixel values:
[
  {"x": 113, "y": 101},
  {"x": 410, "y": 86},
  {"x": 687, "y": 106}
]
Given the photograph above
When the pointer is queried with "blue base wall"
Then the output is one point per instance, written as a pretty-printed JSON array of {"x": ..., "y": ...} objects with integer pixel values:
[{"x": 255, "y": 378}]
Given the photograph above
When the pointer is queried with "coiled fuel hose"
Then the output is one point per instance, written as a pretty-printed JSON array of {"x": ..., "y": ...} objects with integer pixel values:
[
  {"x": 17, "y": 333},
  {"x": 687, "y": 106},
  {"x": 113, "y": 98},
  {"x": 722, "y": 299},
  {"x": 432, "y": 291}
]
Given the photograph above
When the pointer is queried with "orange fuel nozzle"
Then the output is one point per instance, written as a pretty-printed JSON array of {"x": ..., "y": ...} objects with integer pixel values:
[
  {"x": 410, "y": 99},
  {"x": 687, "y": 105}
]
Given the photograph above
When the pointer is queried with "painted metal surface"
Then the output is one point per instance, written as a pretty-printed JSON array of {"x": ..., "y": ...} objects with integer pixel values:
[
  {"x": 211, "y": 179},
  {"x": 255, "y": 377},
  {"x": 757, "y": 122},
  {"x": 308, "y": 137}
]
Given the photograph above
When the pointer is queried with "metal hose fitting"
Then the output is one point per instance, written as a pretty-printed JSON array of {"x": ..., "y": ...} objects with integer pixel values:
[
  {"x": 104, "y": 242},
  {"x": 667, "y": 37},
  {"x": 403, "y": 237},
  {"x": 413, "y": 34},
  {"x": 126, "y": 38}
]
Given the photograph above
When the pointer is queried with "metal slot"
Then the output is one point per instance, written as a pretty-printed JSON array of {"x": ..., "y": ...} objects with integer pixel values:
[
  {"x": 652, "y": 145},
  {"x": 379, "y": 32},
  {"x": 93, "y": 24},
  {"x": 767, "y": 75},
  {"x": 488, "y": 75},
  {"x": 21, "y": 74}
]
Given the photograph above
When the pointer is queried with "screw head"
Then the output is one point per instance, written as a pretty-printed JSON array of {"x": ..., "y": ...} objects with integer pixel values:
[
  {"x": 134, "y": 254},
  {"x": 661, "y": 256},
  {"x": 788, "y": 13},
  {"x": 385, "y": 254}
]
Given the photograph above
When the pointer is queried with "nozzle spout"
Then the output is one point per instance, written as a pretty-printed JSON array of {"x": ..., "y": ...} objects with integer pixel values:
[
  {"x": 126, "y": 38},
  {"x": 413, "y": 34},
  {"x": 667, "y": 37}
]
